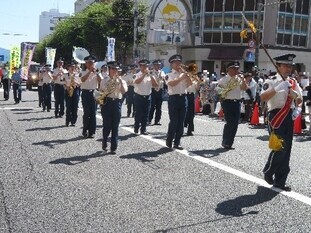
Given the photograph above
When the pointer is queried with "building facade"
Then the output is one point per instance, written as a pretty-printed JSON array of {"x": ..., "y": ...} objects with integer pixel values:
[
  {"x": 284, "y": 28},
  {"x": 48, "y": 21}
]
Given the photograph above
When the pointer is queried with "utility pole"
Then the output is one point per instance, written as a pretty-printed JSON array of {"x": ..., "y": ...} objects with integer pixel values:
[{"x": 135, "y": 29}]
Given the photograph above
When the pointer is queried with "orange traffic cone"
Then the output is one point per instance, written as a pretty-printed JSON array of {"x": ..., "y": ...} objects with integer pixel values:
[
  {"x": 297, "y": 125},
  {"x": 197, "y": 108},
  {"x": 255, "y": 116}
]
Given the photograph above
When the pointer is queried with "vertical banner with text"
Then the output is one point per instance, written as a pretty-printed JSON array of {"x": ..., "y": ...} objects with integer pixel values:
[
  {"x": 27, "y": 55},
  {"x": 50, "y": 56},
  {"x": 110, "y": 49},
  {"x": 15, "y": 55}
]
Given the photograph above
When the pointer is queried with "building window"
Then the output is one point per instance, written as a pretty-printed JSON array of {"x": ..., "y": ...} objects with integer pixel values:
[
  {"x": 216, "y": 38},
  {"x": 226, "y": 38},
  {"x": 305, "y": 7},
  {"x": 207, "y": 38},
  {"x": 209, "y": 6},
  {"x": 250, "y": 5}
]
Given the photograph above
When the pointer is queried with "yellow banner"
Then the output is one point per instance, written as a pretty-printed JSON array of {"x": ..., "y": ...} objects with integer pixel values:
[{"x": 15, "y": 58}]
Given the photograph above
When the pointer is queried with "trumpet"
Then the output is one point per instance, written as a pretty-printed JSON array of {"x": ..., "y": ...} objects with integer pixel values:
[{"x": 191, "y": 71}]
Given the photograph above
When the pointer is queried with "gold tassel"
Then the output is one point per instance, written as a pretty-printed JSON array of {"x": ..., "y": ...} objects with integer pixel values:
[
  {"x": 275, "y": 142},
  {"x": 252, "y": 27},
  {"x": 243, "y": 34}
]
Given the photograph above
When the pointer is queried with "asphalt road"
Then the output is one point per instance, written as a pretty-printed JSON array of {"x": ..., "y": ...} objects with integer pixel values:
[{"x": 53, "y": 180}]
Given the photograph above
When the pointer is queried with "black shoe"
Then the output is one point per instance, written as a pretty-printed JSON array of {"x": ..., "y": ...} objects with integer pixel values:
[
  {"x": 168, "y": 144},
  {"x": 48, "y": 110},
  {"x": 189, "y": 134},
  {"x": 113, "y": 152},
  {"x": 136, "y": 131},
  {"x": 60, "y": 116},
  {"x": 56, "y": 116},
  {"x": 144, "y": 133},
  {"x": 67, "y": 124},
  {"x": 157, "y": 123},
  {"x": 84, "y": 133},
  {"x": 268, "y": 179},
  {"x": 283, "y": 187},
  {"x": 90, "y": 136},
  {"x": 72, "y": 124},
  {"x": 178, "y": 147},
  {"x": 148, "y": 123},
  {"x": 227, "y": 147}
]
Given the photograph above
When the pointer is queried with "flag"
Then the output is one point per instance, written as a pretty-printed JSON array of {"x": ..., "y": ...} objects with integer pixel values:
[
  {"x": 110, "y": 49},
  {"x": 27, "y": 55},
  {"x": 50, "y": 56},
  {"x": 15, "y": 54}
]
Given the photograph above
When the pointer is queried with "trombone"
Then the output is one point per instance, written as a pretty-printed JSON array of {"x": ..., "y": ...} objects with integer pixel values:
[{"x": 191, "y": 70}]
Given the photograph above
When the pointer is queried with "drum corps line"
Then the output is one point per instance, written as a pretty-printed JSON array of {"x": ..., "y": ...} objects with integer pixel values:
[{"x": 145, "y": 85}]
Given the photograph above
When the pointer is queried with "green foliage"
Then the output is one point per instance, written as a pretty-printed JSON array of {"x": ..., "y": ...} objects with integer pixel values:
[{"x": 90, "y": 28}]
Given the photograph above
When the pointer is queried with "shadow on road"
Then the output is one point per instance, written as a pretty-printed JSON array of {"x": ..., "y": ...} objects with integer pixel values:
[
  {"x": 36, "y": 118},
  {"x": 210, "y": 153},
  {"x": 146, "y": 156},
  {"x": 234, "y": 207},
  {"x": 52, "y": 143},
  {"x": 263, "y": 138},
  {"x": 78, "y": 159},
  {"x": 46, "y": 128}
]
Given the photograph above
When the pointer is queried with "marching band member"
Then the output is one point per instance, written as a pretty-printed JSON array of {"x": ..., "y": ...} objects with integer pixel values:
[
  {"x": 142, "y": 88},
  {"x": 156, "y": 94},
  {"x": 59, "y": 91},
  {"x": 17, "y": 85},
  {"x": 72, "y": 95},
  {"x": 129, "y": 79},
  {"x": 90, "y": 80},
  {"x": 231, "y": 103},
  {"x": 282, "y": 110},
  {"x": 46, "y": 76},
  {"x": 177, "y": 81},
  {"x": 6, "y": 83},
  {"x": 113, "y": 88}
]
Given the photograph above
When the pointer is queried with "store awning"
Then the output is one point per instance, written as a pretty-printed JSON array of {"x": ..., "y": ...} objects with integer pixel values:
[{"x": 226, "y": 53}]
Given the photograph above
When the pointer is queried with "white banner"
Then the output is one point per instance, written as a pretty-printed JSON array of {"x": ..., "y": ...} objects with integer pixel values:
[
  {"x": 50, "y": 56},
  {"x": 110, "y": 49}
]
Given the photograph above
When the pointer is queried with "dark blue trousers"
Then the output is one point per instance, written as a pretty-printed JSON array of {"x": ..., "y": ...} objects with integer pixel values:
[
  {"x": 232, "y": 109},
  {"x": 6, "y": 88},
  {"x": 130, "y": 100},
  {"x": 72, "y": 104},
  {"x": 17, "y": 92},
  {"x": 111, "y": 114},
  {"x": 40, "y": 95},
  {"x": 278, "y": 161},
  {"x": 142, "y": 105},
  {"x": 59, "y": 95},
  {"x": 89, "y": 111},
  {"x": 156, "y": 105},
  {"x": 47, "y": 92},
  {"x": 190, "y": 113},
  {"x": 177, "y": 107}
]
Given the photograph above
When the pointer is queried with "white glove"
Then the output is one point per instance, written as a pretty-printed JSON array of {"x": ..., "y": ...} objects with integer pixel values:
[
  {"x": 296, "y": 113},
  {"x": 283, "y": 86}
]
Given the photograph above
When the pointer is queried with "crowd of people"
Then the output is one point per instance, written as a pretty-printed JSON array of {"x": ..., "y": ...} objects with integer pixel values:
[{"x": 282, "y": 96}]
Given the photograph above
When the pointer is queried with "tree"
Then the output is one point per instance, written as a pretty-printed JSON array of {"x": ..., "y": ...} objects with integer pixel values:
[{"x": 90, "y": 28}]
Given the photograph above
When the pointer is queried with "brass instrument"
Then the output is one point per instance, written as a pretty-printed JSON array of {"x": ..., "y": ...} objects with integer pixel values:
[
  {"x": 158, "y": 78},
  {"x": 191, "y": 70},
  {"x": 223, "y": 91},
  {"x": 101, "y": 95},
  {"x": 72, "y": 85}
]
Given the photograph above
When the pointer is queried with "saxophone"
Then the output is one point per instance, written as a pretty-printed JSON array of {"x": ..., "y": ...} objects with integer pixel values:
[
  {"x": 71, "y": 87},
  {"x": 223, "y": 91},
  {"x": 101, "y": 95}
]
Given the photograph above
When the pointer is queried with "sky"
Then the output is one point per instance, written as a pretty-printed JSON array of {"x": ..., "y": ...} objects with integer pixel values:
[{"x": 21, "y": 17}]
